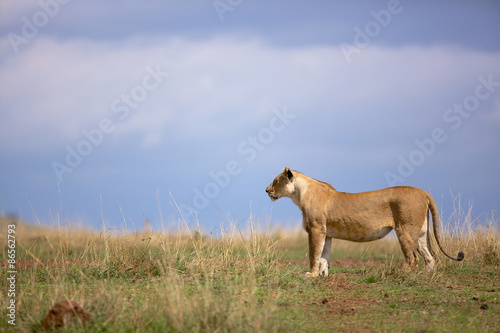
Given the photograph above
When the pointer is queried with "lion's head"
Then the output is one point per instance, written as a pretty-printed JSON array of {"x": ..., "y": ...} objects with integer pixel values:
[{"x": 282, "y": 185}]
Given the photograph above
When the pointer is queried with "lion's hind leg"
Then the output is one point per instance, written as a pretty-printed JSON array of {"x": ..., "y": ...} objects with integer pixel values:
[
  {"x": 424, "y": 246},
  {"x": 411, "y": 229},
  {"x": 409, "y": 248}
]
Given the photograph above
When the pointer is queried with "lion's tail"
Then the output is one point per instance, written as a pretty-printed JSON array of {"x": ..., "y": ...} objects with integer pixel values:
[{"x": 435, "y": 223}]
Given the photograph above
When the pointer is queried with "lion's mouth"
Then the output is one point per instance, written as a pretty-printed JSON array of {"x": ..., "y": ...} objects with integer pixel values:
[{"x": 274, "y": 197}]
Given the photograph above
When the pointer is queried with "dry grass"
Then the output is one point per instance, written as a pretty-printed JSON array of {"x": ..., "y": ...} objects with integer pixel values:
[
  {"x": 148, "y": 280},
  {"x": 192, "y": 282}
]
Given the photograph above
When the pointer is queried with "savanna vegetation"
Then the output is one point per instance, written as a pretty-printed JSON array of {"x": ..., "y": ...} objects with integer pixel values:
[{"x": 250, "y": 280}]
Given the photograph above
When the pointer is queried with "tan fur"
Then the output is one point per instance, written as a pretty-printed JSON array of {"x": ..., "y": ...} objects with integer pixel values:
[{"x": 360, "y": 217}]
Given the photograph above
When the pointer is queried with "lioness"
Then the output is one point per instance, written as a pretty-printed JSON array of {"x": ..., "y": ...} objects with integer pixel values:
[{"x": 360, "y": 217}]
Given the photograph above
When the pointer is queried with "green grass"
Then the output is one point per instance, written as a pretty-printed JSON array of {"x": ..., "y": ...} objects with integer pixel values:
[{"x": 186, "y": 282}]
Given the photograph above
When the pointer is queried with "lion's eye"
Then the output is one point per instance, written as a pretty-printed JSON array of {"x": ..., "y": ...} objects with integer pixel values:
[{"x": 274, "y": 182}]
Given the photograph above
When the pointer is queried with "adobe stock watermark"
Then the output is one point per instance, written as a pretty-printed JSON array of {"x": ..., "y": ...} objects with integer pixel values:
[
  {"x": 31, "y": 25},
  {"x": 371, "y": 30},
  {"x": 122, "y": 107},
  {"x": 248, "y": 149},
  {"x": 453, "y": 117},
  {"x": 11, "y": 275},
  {"x": 223, "y": 6}
]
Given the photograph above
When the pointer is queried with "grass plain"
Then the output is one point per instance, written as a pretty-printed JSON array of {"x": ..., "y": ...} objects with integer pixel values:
[{"x": 251, "y": 281}]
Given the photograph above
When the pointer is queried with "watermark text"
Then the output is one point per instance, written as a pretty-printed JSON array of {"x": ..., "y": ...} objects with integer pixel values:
[
  {"x": 248, "y": 149},
  {"x": 11, "y": 274},
  {"x": 122, "y": 107},
  {"x": 31, "y": 25},
  {"x": 453, "y": 117}
]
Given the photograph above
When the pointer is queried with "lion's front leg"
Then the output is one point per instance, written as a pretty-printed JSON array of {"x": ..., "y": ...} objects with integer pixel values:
[
  {"x": 323, "y": 267},
  {"x": 316, "y": 244},
  {"x": 325, "y": 256}
]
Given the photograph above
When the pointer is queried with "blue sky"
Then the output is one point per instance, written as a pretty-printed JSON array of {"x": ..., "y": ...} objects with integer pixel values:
[{"x": 117, "y": 109}]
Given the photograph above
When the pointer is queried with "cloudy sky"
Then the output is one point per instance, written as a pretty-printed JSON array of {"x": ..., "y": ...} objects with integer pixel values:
[{"x": 129, "y": 110}]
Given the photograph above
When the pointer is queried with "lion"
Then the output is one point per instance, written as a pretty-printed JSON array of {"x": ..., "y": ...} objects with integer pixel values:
[{"x": 360, "y": 217}]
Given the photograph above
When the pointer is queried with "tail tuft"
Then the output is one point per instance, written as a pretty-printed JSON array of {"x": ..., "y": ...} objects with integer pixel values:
[{"x": 460, "y": 256}]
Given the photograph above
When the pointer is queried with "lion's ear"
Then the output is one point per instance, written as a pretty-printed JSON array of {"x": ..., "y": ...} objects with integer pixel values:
[{"x": 288, "y": 173}]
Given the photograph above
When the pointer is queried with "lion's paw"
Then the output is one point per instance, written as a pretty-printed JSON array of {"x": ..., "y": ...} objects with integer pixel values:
[
  {"x": 311, "y": 275},
  {"x": 323, "y": 267},
  {"x": 430, "y": 266}
]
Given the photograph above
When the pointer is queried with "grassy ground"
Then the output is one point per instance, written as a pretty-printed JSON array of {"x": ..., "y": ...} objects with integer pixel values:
[{"x": 187, "y": 282}]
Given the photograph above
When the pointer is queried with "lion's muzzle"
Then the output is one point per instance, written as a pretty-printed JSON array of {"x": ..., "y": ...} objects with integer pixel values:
[{"x": 271, "y": 194}]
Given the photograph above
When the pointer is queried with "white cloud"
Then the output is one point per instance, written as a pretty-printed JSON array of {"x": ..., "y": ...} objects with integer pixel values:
[{"x": 55, "y": 89}]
